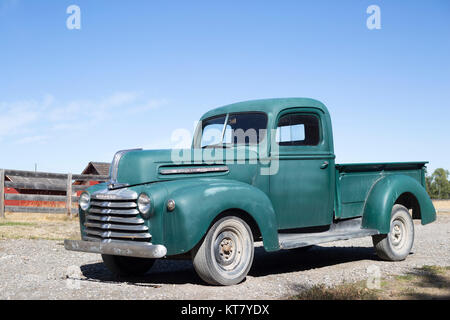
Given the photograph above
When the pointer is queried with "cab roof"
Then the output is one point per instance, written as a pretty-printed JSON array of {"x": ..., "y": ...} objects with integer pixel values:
[{"x": 269, "y": 106}]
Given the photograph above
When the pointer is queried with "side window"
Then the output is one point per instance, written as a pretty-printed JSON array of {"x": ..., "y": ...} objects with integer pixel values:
[{"x": 296, "y": 129}]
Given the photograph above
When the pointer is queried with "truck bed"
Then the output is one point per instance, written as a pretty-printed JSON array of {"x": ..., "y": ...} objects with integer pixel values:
[{"x": 354, "y": 181}]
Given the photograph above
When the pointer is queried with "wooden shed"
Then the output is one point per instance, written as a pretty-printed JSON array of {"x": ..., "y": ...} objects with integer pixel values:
[{"x": 94, "y": 168}]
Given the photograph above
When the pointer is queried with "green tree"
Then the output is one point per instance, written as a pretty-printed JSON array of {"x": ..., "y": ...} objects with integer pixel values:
[{"x": 438, "y": 185}]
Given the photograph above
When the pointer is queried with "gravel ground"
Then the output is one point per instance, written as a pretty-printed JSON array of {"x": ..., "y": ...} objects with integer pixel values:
[{"x": 43, "y": 269}]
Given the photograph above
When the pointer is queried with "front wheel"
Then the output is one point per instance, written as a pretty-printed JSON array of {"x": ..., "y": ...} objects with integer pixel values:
[
  {"x": 127, "y": 266},
  {"x": 225, "y": 255},
  {"x": 397, "y": 244}
]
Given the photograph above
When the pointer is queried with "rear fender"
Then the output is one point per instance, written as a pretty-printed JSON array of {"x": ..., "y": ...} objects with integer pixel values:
[{"x": 385, "y": 193}]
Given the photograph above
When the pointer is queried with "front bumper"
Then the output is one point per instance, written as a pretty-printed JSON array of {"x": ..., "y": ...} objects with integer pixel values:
[{"x": 119, "y": 248}]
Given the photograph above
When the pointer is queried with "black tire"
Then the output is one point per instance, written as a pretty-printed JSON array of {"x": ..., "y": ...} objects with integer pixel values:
[
  {"x": 397, "y": 244},
  {"x": 225, "y": 255},
  {"x": 127, "y": 266}
]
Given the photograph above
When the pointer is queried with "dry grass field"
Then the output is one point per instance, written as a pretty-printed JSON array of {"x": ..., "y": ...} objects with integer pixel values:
[
  {"x": 442, "y": 206},
  {"x": 39, "y": 226},
  {"x": 427, "y": 282}
]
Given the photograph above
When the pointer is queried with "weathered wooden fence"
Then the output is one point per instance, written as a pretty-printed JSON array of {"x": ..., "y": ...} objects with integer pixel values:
[{"x": 66, "y": 186}]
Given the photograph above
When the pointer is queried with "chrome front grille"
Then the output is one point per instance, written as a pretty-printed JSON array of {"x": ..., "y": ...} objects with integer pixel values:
[{"x": 115, "y": 219}]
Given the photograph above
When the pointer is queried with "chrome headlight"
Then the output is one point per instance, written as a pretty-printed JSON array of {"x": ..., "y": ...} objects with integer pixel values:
[
  {"x": 85, "y": 201},
  {"x": 144, "y": 203}
]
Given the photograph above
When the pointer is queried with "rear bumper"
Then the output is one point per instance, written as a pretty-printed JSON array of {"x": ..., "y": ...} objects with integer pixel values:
[{"x": 140, "y": 250}]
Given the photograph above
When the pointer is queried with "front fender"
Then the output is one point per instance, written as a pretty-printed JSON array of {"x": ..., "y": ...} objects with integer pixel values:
[
  {"x": 200, "y": 201},
  {"x": 384, "y": 194}
]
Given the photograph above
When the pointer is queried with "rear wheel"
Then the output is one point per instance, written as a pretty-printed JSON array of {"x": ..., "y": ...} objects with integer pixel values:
[
  {"x": 225, "y": 255},
  {"x": 397, "y": 244},
  {"x": 127, "y": 266}
]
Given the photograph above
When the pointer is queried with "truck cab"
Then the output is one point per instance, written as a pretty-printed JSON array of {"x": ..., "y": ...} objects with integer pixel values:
[{"x": 260, "y": 170}]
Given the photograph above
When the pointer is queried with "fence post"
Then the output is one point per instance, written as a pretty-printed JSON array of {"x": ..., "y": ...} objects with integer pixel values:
[
  {"x": 69, "y": 195},
  {"x": 2, "y": 193}
]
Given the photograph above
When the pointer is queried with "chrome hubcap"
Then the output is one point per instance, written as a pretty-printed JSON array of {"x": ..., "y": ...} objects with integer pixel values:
[
  {"x": 227, "y": 250},
  {"x": 397, "y": 233}
]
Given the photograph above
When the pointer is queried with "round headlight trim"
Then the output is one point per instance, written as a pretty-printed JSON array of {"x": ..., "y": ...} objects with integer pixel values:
[
  {"x": 144, "y": 203},
  {"x": 84, "y": 201}
]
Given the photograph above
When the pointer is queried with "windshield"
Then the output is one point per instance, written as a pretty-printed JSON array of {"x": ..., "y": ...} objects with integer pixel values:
[{"x": 241, "y": 129}]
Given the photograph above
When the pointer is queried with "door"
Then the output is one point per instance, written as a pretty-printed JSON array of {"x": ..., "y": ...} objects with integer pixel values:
[{"x": 302, "y": 191}]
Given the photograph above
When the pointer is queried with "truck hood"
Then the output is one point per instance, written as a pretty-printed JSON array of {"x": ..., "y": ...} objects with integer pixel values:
[{"x": 144, "y": 166}]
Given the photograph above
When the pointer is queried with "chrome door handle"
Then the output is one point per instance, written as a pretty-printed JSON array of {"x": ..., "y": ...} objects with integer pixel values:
[{"x": 324, "y": 165}]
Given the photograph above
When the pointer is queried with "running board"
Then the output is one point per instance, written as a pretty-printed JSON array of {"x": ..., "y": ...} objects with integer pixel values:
[{"x": 341, "y": 230}]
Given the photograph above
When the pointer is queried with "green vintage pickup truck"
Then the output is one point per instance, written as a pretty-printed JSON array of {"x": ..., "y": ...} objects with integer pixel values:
[{"x": 260, "y": 170}]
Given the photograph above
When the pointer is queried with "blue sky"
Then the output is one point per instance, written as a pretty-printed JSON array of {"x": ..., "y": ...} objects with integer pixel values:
[{"x": 138, "y": 70}]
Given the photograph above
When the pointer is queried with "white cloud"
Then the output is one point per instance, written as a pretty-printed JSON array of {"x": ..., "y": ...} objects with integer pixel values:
[
  {"x": 31, "y": 120},
  {"x": 48, "y": 100},
  {"x": 67, "y": 112},
  {"x": 32, "y": 139},
  {"x": 119, "y": 99},
  {"x": 148, "y": 106},
  {"x": 15, "y": 117}
]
